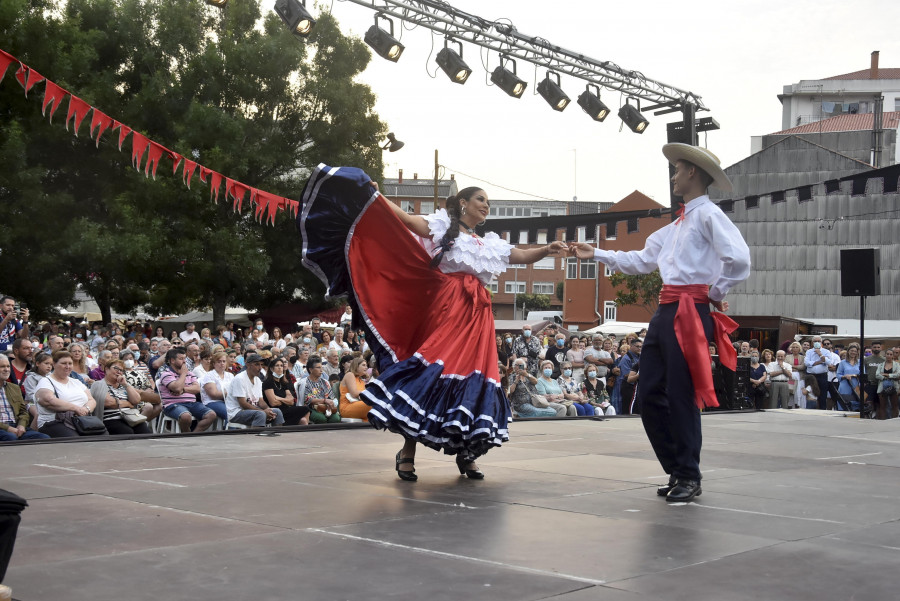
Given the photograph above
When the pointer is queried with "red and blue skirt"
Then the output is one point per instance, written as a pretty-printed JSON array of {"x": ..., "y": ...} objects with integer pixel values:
[{"x": 432, "y": 332}]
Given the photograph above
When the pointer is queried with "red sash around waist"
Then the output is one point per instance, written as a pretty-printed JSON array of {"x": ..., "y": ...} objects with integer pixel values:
[{"x": 692, "y": 338}]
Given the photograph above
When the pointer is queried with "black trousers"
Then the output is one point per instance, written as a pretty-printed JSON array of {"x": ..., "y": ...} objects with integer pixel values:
[
  {"x": 666, "y": 395},
  {"x": 822, "y": 381}
]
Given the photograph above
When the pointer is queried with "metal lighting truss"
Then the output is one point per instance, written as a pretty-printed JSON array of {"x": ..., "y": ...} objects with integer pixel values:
[{"x": 503, "y": 38}]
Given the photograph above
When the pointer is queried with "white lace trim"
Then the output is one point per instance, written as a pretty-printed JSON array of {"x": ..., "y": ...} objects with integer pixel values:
[{"x": 485, "y": 257}]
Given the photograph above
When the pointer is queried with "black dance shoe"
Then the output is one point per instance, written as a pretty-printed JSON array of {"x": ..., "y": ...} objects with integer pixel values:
[
  {"x": 664, "y": 490},
  {"x": 408, "y": 475},
  {"x": 684, "y": 491},
  {"x": 462, "y": 461}
]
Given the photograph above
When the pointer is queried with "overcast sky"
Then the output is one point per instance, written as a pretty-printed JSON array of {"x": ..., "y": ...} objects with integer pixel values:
[{"x": 736, "y": 55}]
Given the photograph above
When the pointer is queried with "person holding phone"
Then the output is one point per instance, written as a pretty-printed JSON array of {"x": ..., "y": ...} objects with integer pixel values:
[{"x": 14, "y": 322}]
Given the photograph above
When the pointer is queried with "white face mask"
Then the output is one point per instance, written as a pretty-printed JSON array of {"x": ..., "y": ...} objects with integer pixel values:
[{"x": 129, "y": 363}]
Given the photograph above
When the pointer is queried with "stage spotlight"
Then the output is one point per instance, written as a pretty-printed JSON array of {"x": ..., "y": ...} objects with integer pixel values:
[
  {"x": 295, "y": 16},
  {"x": 632, "y": 117},
  {"x": 552, "y": 93},
  {"x": 217, "y": 3},
  {"x": 591, "y": 104},
  {"x": 393, "y": 144},
  {"x": 507, "y": 80},
  {"x": 452, "y": 64},
  {"x": 383, "y": 42}
]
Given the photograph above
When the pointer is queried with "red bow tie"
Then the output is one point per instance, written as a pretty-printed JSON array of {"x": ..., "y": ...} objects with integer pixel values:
[{"x": 680, "y": 213}]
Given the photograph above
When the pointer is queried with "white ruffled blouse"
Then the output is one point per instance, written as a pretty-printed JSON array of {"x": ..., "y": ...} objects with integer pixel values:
[{"x": 485, "y": 258}]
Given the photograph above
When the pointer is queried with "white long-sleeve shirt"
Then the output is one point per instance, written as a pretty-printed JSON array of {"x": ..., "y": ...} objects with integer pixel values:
[{"x": 704, "y": 248}]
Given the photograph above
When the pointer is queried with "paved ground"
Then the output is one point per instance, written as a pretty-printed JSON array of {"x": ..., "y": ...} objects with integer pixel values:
[{"x": 796, "y": 505}]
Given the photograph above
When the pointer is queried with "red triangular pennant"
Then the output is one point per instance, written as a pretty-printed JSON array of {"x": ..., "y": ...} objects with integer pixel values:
[
  {"x": 156, "y": 152},
  {"x": 21, "y": 74},
  {"x": 139, "y": 144},
  {"x": 204, "y": 173},
  {"x": 79, "y": 108},
  {"x": 237, "y": 191},
  {"x": 6, "y": 60},
  {"x": 176, "y": 161},
  {"x": 33, "y": 78},
  {"x": 292, "y": 205},
  {"x": 266, "y": 203},
  {"x": 188, "y": 173},
  {"x": 100, "y": 122},
  {"x": 52, "y": 94},
  {"x": 124, "y": 130},
  {"x": 215, "y": 182}
]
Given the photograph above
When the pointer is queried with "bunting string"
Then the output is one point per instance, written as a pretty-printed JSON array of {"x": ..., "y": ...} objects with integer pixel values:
[{"x": 266, "y": 204}]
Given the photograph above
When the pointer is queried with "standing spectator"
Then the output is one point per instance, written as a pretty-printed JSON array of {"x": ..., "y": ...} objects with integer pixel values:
[
  {"x": 316, "y": 329},
  {"x": 504, "y": 350},
  {"x": 779, "y": 373},
  {"x": 598, "y": 355},
  {"x": 522, "y": 393},
  {"x": 817, "y": 360},
  {"x": 346, "y": 317},
  {"x": 575, "y": 355},
  {"x": 758, "y": 377},
  {"x": 114, "y": 393},
  {"x": 528, "y": 347},
  {"x": 626, "y": 385},
  {"x": 278, "y": 341},
  {"x": 244, "y": 398},
  {"x": 316, "y": 392},
  {"x": 556, "y": 353},
  {"x": 206, "y": 338},
  {"x": 798, "y": 370},
  {"x": 189, "y": 334},
  {"x": 14, "y": 323},
  {"x": 887, "y": 375},
  {"x": 871, "y": 364},
  {"x": 14, "y": 415},
  {"x": 280, "y": 394},
  {"x": 23, "y": 351},
  {"x": 548, "y": 386},
  {"x": 837, "y": 355},
  {"x": 178, "y": 389},
  {"x": 848, "y": 374},
  {"x": 58, "y": 394}
]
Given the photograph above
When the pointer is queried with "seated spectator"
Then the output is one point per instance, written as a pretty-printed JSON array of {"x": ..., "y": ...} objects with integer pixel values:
[
  {"x": 299, "y": 368},
  {"x": 278, "y": 342},
  {"x": 233, "y": 366},
  {"x": 23, "y": 352},
  {"x": 323, "y": 346},
  {"x": 332, "y": 364},
  {"x": 150, "y": 403},
  {"x": 43, "y": 365},
  {"x": 114, "y": 393},
  {"x": 203, "y": 365},
  {"x": 810, "y": 391},
  {"x": 59, "y": 397},
  {"x": 188, "y": 335},
  {"x": 279, "y": 393},
  {"x": 888, "y": 378},
  {"x": 848, "y": 374},
  {"x": 352, "y": 340},
  {"x": 244, "y": 397},
  {"x": 571, "y": 389},
  {"x": 338, "y": 343},
  {"x": 353, "y": 383},
  {"x": 206, "y": 337},
  {"x": 14, "y": 415},
  {"x": 81, "y": 362},
  {"x": 158, "y": 362},
  {"x": 179, "y": 388},
  {"x": 316, "y": 392},
  {"x": 99, "y": 372},
  {"x": 524, "y": 397},
  {"x": 215, "y": 384},
  {"x": 549, "y": 387},
  {"x": 192, "y": 356},
  {"x": 159, "y": 334},
  {"x": 595, "y": 393}
]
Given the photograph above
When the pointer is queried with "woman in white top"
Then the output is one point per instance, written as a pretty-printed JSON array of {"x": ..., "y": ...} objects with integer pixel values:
[
  {"x": 59, "y": 394},
  {"x": 203, "y": 365},
  {"x": 278, "y": 340},
  {"x": 215, "y": 384},
  {"x": 259, "y": 335},
  {"x": 338, "y": 343}
]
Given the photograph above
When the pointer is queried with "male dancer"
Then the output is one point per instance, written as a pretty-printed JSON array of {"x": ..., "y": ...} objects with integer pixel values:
[{"x": 700, "y": 256}]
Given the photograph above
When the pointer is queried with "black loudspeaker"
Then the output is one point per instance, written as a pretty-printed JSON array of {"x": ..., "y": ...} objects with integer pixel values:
[{"x": 860, "y": 272}]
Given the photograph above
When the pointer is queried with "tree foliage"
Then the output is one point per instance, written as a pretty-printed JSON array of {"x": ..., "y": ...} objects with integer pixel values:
[
  {"x": 641, "y": 290},
  {"x": 534, "y": 302},
  {"x": 232, "y": 89}
]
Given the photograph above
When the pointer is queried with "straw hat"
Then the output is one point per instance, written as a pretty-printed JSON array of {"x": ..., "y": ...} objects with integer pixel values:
[{"x": 702, "y": 158}]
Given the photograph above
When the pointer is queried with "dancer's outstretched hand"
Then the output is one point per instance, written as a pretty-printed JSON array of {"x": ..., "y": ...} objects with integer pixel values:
[
  {"x": 582, "y": 250},
  {"x": 558, "y": 246}
]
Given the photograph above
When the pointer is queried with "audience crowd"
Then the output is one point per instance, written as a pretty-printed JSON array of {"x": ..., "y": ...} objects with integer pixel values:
[{"x": 61, "y": 380}]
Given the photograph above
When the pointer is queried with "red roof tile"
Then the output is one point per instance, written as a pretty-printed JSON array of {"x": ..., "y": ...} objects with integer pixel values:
[
  {"x": 848, "y": 122},
  {"x": 867, "y": 74}
]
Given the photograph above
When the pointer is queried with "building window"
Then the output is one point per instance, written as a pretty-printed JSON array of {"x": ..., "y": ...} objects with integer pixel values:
[
  {"x": 581, "y": 234},
  {"x": 633, "y": 225},
  {"x": 545, "y": 263},
  {"x": 494, "y": 287},
  {"x": 542, "y": 237},
  {"x": 588, "y": 270},
  {"x": 571, "y": 268},
  {"x": 408, "y": 206},
  {"x": 508, "y": 237},
  {"x": 517, "y": 266},
  {"x": 592, "y": 234},
  {"x": 607, "y": 272},
  {"x": 492, "y": 211},
  {"x": 751, "y": 202},
  {"x": 542, "y": 288},
  {"x": 514, "y": 287},
  {"x": 609, "y": 310},
  {"x": 611, "y": 230},
  {"x": 897, "y": 104},
  {"x": 426, "y": 207}
]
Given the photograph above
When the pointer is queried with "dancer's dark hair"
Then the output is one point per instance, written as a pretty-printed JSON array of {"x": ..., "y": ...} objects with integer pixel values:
[{"x": 454, "y": 212}]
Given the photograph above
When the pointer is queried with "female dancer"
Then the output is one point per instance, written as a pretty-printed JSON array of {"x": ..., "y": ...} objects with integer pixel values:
[{"x": 416, "y": 284}]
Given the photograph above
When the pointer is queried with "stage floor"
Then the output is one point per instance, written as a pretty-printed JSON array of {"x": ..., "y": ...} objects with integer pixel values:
[{"x": 795, "y": 505}]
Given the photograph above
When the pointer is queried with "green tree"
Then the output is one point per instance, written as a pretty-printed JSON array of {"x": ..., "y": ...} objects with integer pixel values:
[
  {"x": 641, "y": 290},
  {"x": 232, "y": 89},
  {"x": 561, "y": 291},
  {"x": 534, "y": 302}
]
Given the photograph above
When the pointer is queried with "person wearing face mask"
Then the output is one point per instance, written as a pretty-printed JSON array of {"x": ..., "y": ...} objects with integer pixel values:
[
  {"x": 575, "y": 356},
  {"x": 114, "y": 393},
  {"x": 150, "y": 403},
  {"x": 279, "y": 393},
  {"x": 524, "y": 397},
  {"x": 758, "y": 376},
  {"x": 594, "y": 391},
  {"x": 259, "y": 334},
  {"x": 549, "y": 386},
  {"x": 505, "y": 350},
  {"x": 556, "y": 353},
  {"x": 817, "y": 360},
  {"x": 528, "y": 347},
  {"x": 571, "y": 389}
]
